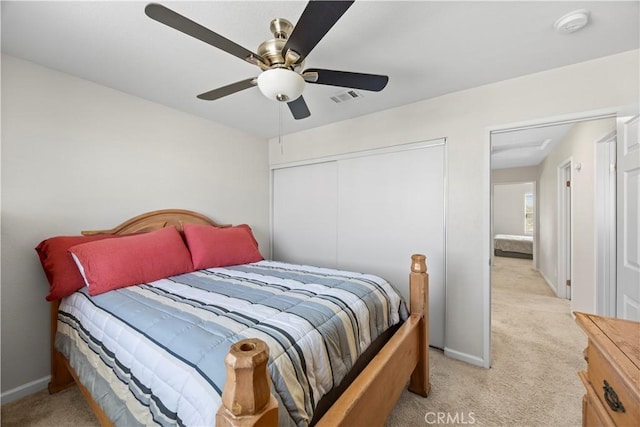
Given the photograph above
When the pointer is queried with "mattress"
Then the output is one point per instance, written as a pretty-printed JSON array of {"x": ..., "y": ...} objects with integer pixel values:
[
  {"x": 153, "y": 353},
  {"x": 514, "y": 243}
]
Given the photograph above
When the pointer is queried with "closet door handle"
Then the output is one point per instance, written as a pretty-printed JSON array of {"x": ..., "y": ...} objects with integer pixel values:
[{"x": 612, "y": 398}]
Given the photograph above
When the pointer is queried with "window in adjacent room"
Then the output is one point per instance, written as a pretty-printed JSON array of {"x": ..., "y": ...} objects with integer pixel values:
[{"x": 528, "y": 213}]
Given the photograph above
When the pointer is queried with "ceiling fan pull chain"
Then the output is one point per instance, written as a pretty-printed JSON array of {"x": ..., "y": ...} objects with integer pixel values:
[{"x": 280, "y": 127}]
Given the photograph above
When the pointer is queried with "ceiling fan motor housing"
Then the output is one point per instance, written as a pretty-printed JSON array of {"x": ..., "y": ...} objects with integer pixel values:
[{"x": 271, "y": 50}]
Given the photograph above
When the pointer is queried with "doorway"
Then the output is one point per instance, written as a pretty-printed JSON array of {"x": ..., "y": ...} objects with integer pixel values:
[
  {"x": 565, "y": 227},
  {"x": 513, "y": 219},
  {"x": 570, "y": 154}
]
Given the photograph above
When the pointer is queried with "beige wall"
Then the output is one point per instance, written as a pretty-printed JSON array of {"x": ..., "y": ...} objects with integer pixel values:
[
  {"x": 522, "y": 174},
  {"x": 510, "y": 175},
  {"x": 464, "y": 118},
  {"x": 508, "y": 207},
  {"x": 76, "y": 155},
  {"x": 579, "y": 146}
]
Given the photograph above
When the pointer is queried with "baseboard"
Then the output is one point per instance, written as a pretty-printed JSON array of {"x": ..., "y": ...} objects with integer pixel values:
[
  {"x": 464, "y": 357},
  {"x": 24, "y": 390}
]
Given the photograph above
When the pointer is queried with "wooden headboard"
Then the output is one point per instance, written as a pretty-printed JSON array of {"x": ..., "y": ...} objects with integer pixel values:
[{"x": 157, "y": 219}]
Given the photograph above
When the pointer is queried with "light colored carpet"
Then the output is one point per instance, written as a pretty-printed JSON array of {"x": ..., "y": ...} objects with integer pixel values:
[
  {"x": 64, "y": 409},
  {"x": 533, "y": 381},
  {"x": 537, "y": 351}
]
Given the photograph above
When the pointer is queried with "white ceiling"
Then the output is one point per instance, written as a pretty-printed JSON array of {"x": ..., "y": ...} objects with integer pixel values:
[
  {"x": 525, "y": 147},
  {"x": 426, "y": 48}
]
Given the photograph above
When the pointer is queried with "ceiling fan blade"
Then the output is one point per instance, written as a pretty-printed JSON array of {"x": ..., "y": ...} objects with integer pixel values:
[
  {"x": 299, "y": 108},
  {"x": 174, "y": 20},
  {"x": 373, "y": 82},
  {"x": 316, "y": 20},
  {"x": 228, "y": 90}
]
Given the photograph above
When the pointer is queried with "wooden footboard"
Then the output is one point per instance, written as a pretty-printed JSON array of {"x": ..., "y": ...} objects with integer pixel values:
[
  {"x": 246, "y": 398},
  {"x": 370, "y": 398}
]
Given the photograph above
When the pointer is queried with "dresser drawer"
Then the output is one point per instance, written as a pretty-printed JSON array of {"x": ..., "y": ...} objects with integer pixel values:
[
  {"x": 593, "y": 413},
  {"x": 611, "y": 391}
]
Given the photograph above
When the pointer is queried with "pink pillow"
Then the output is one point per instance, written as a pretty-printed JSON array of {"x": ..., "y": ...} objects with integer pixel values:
[
  {"x": 219, "y": 247},
  {"x": 57, "y": 263},
  {"x": 131, "y": 260}
]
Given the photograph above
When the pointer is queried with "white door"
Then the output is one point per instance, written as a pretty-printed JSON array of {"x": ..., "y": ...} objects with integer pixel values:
[
  {"x": 368, "y": 211},
  {"x": 605, "y": 221},
  {"x": 628, "y": 195},
  {"x": 304, "y": 214},
  {"x": 392, "y": 206}
]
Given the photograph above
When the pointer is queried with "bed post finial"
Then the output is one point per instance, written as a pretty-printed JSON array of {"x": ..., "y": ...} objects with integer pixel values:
[
  {"x": 419, "y": 289},
  {"x": 246, "y": 397},
  {"x": 418, "y": 263}
]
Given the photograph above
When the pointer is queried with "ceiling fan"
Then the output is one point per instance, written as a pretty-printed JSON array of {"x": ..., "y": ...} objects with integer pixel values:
[{"x": 281, "y": 59}]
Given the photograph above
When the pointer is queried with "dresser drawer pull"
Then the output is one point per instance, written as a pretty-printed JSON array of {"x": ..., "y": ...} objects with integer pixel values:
[{"x": 612, "y": 398}]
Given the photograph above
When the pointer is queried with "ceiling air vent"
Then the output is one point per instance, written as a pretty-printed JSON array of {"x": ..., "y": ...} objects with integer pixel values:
[{"x": 345, "y": 96}]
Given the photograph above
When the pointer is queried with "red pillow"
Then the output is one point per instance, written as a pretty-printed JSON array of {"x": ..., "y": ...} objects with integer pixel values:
[
  {"x": 131, "y": 260},
  {"x": 246, "y": 227},
  {"x": 219, "y": 247},
  {"x": 57, "y": 263}
]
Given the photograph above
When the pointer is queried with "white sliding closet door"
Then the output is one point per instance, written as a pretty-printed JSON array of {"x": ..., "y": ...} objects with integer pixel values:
[
  {"x": 368, "y": 212},
  {"x": 391, "y": 206},
  {"x": 304, "y": 214}
]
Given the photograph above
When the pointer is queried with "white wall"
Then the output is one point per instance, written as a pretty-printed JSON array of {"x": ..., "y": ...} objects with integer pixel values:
[
  {"x": 75, "y": 156},
  {"x": 465, "y": 118},
  {"x": 579, "y": 145},
  {"x": 508, "y": 207}
]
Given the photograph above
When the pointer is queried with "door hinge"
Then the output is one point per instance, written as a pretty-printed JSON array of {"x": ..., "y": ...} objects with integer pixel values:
[
  {"x": 568, "y": 183},
  {"x": 569, "y": 282}
]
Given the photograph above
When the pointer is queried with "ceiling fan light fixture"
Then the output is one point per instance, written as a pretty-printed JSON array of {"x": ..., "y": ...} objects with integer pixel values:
[{"x": 281, "y": 84}]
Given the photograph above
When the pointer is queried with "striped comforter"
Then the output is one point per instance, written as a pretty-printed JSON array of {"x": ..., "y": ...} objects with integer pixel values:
[{"x": 153, "y": 353}]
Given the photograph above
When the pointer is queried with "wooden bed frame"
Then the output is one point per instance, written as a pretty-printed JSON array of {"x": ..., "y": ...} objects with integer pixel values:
[{"x": 246, "y": 397}]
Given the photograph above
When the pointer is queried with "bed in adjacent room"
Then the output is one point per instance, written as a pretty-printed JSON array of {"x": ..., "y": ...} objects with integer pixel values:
[
  {"x": 150, "y": 352},
  {"x": 514, "y": 246}
]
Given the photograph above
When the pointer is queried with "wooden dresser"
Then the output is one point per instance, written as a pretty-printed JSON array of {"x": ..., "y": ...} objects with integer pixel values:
[{"x": 612, "y": 380}]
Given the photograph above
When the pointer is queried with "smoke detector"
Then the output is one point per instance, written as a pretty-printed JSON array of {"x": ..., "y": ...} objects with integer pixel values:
[{"x": 572, "y": 21}]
